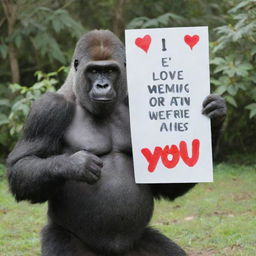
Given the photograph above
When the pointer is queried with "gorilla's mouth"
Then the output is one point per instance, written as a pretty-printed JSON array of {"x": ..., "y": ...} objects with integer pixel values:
[
  {"x": 102, "y": 100},
  {"x": 107, "y": 97}
]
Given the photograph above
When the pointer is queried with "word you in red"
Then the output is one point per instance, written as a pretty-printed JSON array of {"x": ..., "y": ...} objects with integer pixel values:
[{"x": 176, "y": 152}]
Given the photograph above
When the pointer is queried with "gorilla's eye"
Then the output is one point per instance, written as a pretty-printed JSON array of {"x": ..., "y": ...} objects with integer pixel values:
[
  {"x": 110, "y": 71},
  {"x": 76, "y": 64},
  {"x": 92, "y": 70}
]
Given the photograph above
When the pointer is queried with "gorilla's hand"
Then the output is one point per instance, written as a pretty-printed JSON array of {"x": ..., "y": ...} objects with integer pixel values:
[
  {"x": 214, "y": 107},
  {"x": 87, "y": 167}
]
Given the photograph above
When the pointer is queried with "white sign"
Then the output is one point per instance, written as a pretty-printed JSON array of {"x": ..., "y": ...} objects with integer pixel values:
[{"x": 168, "y": 79}]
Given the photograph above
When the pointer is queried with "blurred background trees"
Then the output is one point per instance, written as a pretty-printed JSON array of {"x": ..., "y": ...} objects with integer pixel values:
[{"x": 37, "y": 39}]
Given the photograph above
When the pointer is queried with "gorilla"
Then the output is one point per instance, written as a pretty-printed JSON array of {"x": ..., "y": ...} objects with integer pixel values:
[{"x": 76, "y": 154}]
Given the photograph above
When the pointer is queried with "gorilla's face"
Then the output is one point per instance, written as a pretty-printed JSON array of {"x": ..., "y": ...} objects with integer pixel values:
[{"x": 100, "y": 77}]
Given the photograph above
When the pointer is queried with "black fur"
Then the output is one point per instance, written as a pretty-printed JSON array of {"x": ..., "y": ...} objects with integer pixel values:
[
  {"x": 34, "y": 165},
  {"x": 76, "y": 154},
  {"x": 215, "y": 108},
  {"x": 171, "y": 191},
  {"x": 57, "y": 241}
]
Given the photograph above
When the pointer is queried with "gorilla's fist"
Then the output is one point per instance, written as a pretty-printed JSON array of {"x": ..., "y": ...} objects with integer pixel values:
[
  {"x": 87, "y": 167},
  {"x": 214, "y": 107}
]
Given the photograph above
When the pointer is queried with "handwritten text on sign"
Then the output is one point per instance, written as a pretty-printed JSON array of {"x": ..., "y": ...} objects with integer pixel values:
[{"x": 168, "y": 79}]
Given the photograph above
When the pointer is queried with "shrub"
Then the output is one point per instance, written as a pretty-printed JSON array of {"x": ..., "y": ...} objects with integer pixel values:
[{"x": 15, "y": 102}]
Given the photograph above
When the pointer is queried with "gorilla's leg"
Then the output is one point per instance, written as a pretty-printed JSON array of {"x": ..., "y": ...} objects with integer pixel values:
[
  {"x": 154, "y": 243},
  {"x": 58, "y": 242}
]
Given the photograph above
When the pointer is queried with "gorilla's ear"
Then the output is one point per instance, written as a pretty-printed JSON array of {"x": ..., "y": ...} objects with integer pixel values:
[{"x": 76, "y": 62}]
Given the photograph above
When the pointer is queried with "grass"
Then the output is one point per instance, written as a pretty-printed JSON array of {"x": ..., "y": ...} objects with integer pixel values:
[{"x": 213, "y": 219}]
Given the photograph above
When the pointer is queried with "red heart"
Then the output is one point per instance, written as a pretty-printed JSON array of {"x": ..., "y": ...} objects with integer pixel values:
[
  {"x": 144, "y": 42},
  {"x": 191, "y": 41}
]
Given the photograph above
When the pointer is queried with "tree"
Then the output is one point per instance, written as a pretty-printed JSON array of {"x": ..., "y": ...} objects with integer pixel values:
[
  {"x": 119, "y": 20},
  {"x": 10, "y": 12},
  {"x": 30, "y": 33}
]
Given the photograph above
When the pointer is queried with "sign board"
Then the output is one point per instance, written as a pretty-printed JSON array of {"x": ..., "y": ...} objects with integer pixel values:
[{"x": 168, "y": 79}]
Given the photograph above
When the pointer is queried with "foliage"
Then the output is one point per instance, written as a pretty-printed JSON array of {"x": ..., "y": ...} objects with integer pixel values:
[
  {"x": 161, "y": 21},
  {"x": 2, "y": 171},
  {"x": 215, "y": 219},
  {"x": 234, "y": 57},
  {"x": 234, "y": 73},
  {"x": 15, "y": 110},
  {"x": 180, "y": 13},
  {"x": 38, "y": 33}
]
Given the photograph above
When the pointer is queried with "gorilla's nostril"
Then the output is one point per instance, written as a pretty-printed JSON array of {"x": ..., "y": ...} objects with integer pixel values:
[{"x": 102, "y": 86}]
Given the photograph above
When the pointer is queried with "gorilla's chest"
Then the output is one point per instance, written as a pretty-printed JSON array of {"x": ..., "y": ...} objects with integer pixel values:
[{"x": 99, "y": 135}]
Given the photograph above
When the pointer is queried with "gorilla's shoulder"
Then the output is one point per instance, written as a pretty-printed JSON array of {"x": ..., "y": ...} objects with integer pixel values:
[{"x": 49, "y": 116}]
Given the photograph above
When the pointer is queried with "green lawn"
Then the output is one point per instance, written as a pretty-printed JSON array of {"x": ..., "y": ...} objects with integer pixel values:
[{"x": 213, "y": 219}]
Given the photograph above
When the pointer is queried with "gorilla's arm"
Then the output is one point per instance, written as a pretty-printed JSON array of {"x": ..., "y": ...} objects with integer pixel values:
[
  {"x": 34, "y": 168},
  {"x": 214, "y": 107}
]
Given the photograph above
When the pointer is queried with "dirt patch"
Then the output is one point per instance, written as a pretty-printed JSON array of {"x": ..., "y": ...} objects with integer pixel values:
[
  {"x": 242, "y": 196},
  {"x": 208, "y": 252}
]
